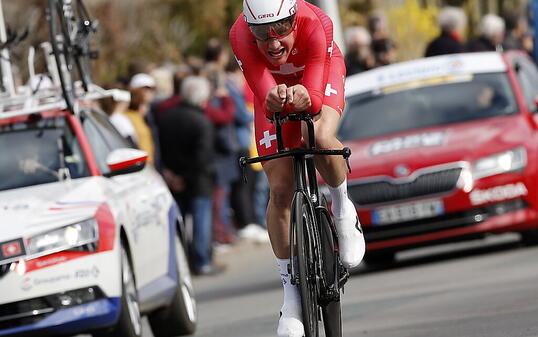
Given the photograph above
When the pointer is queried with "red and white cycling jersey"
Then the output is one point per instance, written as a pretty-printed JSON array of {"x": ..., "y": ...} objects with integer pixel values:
[{"x": 315, "y": 62}]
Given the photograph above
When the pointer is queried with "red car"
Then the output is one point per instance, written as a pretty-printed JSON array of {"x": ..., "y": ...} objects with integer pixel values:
[{"x": 444, "y": 148}]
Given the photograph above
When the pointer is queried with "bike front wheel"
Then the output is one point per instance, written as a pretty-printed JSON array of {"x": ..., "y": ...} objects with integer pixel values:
[
  {"x": 308, "y": 284},
  {"x": 332, "y": 268}
]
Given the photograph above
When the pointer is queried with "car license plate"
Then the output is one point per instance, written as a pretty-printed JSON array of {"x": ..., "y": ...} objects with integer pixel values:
[{"x": 407, "y": 212}]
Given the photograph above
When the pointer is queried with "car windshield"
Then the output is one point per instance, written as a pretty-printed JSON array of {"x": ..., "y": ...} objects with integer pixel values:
[
  {"x": 429, "y": 103},
  {"x": 39, "y": 152}
]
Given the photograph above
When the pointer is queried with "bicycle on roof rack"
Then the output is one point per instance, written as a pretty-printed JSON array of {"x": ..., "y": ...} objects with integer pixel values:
[
  {"x": 313, "y": 239},
  {"x": 71, "y": 29}
]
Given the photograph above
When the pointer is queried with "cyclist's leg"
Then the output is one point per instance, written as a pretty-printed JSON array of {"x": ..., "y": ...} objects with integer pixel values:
[
  {"x": 333, "y": 168},
  {"x": 280, "y": 176}
]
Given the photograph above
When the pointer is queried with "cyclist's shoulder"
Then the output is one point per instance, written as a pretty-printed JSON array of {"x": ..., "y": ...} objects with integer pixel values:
[
  {"x": 313, "y": 20},
  {"x": 239, "y": 33}
]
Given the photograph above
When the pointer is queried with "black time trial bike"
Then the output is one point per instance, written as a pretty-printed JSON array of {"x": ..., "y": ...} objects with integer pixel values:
[{"x": 317, "y": 269}]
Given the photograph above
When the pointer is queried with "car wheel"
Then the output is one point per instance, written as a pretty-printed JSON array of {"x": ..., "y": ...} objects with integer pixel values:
[
  {"x": 129, "y": 323},
  {"x": 530, "y": 238},
  {"x": 180, "y": 317}
]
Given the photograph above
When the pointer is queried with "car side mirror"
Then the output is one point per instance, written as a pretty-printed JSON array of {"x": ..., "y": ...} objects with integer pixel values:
[{"x": 125, "y": 160}]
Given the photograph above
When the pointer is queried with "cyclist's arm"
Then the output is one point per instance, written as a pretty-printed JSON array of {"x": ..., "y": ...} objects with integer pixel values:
[
  {"x": 256, "y": 73},
  {"x": 318, "y": 63}
]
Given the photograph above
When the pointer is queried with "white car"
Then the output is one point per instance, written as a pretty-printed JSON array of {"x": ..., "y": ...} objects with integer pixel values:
[{"x": 90, "y": 236}]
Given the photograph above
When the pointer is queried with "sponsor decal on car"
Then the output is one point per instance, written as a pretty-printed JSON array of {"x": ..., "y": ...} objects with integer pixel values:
[
  {"x": 498, "y": 193},
  {"x": 30, "y": 282},
  {"x": 427, "y": 139}
]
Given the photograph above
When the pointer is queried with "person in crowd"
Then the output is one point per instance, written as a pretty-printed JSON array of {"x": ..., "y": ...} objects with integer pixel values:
[
  {"x": 141, "y": 88},
  {"x": 383, "y": 47},
  {"x": 187, "y": 145},
  {"x": 452, "y": 21},
  {"x": 384, "y": 52},
  {"x": 359, "y": 56},
  {"x": 181, "y": 72},
  {"x": 163, "y": 76},
  {"x": 378, "y": 26},
  {"x": 221, "y": 111},
  {"x": 491, "y": 35},
  {"x": 241, "y": 200},
  {"x": 259, "y": 185},
  {"x": 516, "y": 29},
  {"x": 116, "y": 112}
]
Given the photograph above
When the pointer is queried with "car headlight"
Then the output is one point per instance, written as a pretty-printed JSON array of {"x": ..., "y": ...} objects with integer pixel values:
[
  {"x": 65, "y": 238},
  {"x": 503, "y": 162}
]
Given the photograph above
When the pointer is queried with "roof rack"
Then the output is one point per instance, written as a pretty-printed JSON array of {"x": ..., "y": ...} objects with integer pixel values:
[
  {"x": 50, "y": 99},
  {"x": 37, "y": 96}
]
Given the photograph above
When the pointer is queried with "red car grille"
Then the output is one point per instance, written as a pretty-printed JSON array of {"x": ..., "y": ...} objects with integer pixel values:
[{"x": 387, "y": 190}]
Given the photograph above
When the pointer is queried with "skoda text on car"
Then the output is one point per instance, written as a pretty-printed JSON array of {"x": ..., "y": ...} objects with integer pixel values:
[
  {"x": 443, "y": 148},
  {"x": 90, "y": 236}
]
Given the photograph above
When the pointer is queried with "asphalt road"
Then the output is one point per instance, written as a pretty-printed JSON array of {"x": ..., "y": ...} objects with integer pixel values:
[{"x": 486, "y": 288}]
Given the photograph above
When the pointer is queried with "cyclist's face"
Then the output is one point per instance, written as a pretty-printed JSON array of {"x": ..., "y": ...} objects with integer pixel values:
[{"x": 276, "y": 50}]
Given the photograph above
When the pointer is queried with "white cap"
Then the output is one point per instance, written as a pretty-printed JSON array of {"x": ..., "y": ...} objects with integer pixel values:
[
  {"x": 142, "y": 81},
  {"x": 267, "y": 11}
]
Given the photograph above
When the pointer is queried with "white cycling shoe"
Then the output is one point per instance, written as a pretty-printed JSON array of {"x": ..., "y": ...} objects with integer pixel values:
[
  {"x": 350, "y": 240},
  {"x": 290, "y": 323}
]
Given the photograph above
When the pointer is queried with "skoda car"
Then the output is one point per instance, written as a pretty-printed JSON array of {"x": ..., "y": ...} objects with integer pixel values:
[
  {"x": 90, "y": 237},
  {"x": 444, "y": 148}
]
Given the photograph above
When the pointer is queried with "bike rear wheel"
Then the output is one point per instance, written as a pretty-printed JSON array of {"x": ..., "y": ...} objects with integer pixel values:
[{"x": 308, "y": 284}]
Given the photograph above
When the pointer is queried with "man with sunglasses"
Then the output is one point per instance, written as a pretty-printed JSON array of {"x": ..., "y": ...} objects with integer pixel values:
[{"x": 290, "y": 61}]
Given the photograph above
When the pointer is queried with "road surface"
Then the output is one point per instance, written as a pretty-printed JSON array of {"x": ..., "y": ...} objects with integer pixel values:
[{"x": 486, "y": 288}]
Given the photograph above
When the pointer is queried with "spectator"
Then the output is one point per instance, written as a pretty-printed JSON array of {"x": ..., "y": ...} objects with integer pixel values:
[
  {"x": 378, "y": 26},
  {"x": 187, "y": 146},
  {"x": 452, "y": 22},
  {"x": 259, "y": 186},
  {"x": 221, "y": 111},
  {"x": 142, "y": 87},
  {"x": 384, "y": 51},
  {"x": 163, "y": 81},
  {"x": 241, "y": 201},
  {"x": 116, "y": 112},
  {"x": 516, "y": 29},
  {"x": 491, "y": 35},
  {"x": 359, "y": 55},
  {"x": 383, "y": 47}
]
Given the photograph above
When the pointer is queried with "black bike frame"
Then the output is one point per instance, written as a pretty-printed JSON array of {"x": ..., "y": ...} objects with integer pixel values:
[{"x": 305, "y": 184}]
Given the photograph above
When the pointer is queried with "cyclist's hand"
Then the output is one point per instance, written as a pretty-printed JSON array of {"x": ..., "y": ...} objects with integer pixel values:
[
  {"x": 298, "y": 98},
  {"x": 275, "y": 100}
]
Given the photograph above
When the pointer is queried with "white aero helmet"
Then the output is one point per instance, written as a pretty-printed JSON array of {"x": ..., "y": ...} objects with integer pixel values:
[{"x": 257, "y": 12}]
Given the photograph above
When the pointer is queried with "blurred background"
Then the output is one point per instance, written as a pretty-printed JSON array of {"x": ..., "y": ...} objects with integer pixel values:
[
  {"x": 150, "y": 47},
  {"x": 168, "y": 31}
]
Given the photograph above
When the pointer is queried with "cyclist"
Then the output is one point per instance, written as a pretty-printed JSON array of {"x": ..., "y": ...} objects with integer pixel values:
[{"x": 290, "y": 61}]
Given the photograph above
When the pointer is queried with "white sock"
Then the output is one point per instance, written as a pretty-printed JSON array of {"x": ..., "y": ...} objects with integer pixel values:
[
  {"x": 290, "y": 323},
  {"x": 341, "y": 205},
  {"x": 291, "y": 292}
]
